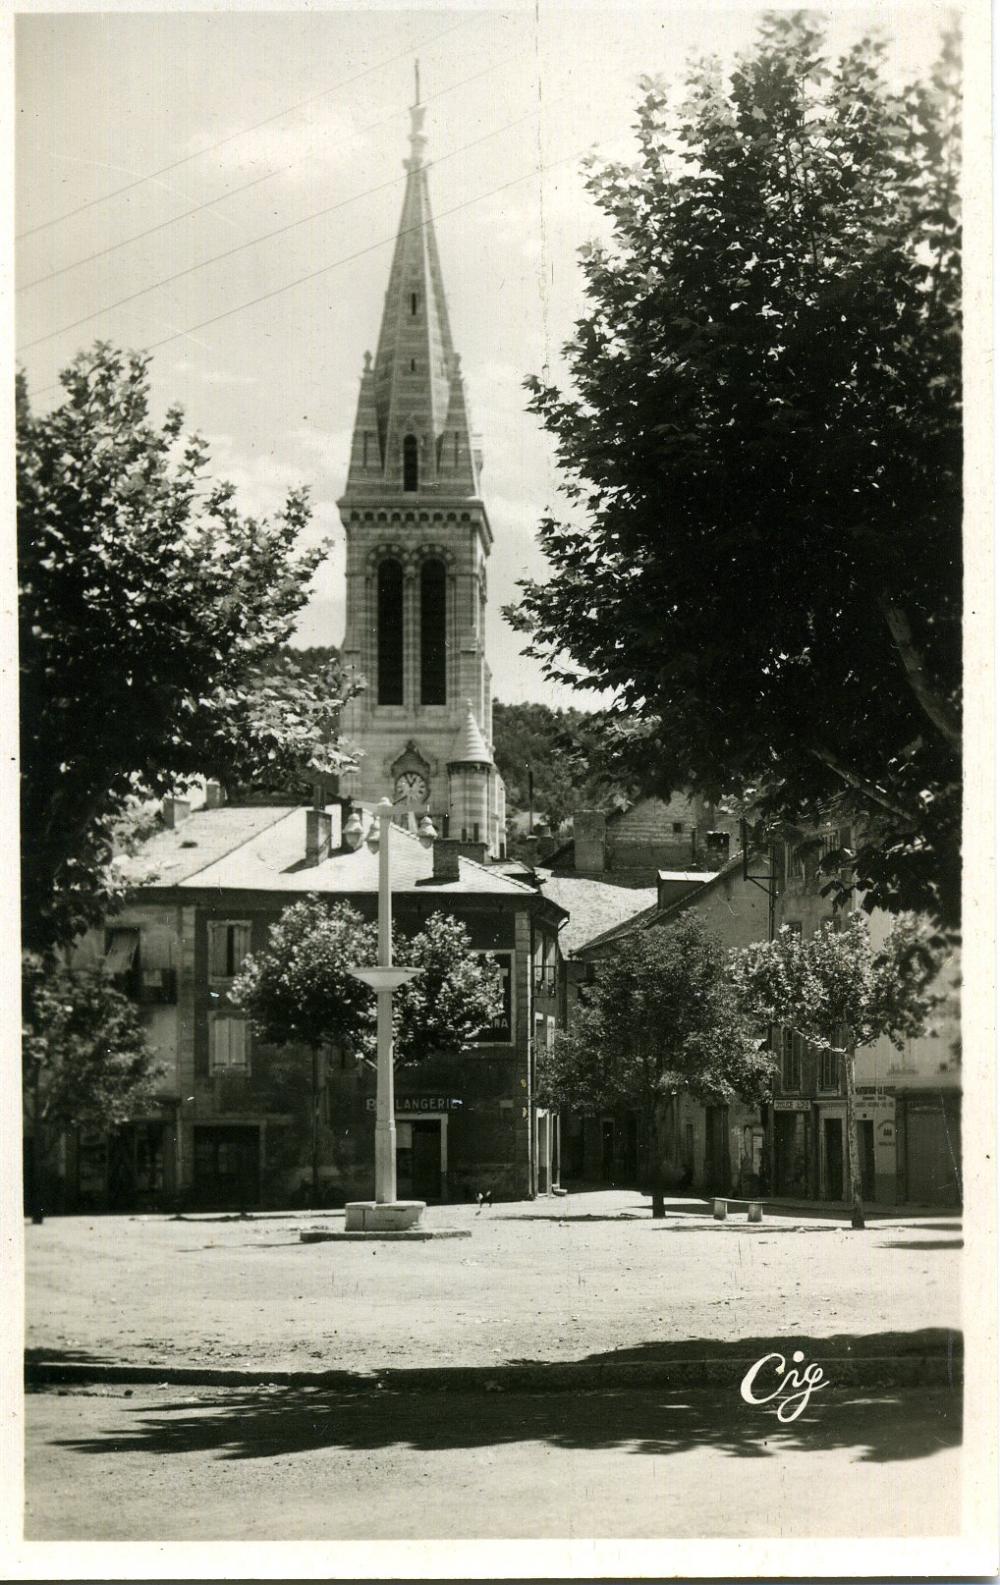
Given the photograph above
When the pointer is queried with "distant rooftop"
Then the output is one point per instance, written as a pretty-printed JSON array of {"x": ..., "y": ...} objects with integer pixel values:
[
  {"x": 259, "y": 848},
  {"x": 594, "y": 907}
]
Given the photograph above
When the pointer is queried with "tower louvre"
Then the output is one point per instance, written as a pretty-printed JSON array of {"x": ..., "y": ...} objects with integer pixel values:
[{"x": 418, "y": 540}]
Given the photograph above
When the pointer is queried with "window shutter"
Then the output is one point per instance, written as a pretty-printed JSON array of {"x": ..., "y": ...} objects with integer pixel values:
[
  {"x": 217, "y": 951},
  {"x": 238, "y": 1043}
]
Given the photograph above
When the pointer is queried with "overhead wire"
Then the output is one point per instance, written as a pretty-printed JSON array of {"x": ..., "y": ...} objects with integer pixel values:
[
  {"x": 350, "y": 258},
  {"x": 266, "y": 236},
  {"x": 244, "y": 187},
  {"x": 231, "y": 137}
]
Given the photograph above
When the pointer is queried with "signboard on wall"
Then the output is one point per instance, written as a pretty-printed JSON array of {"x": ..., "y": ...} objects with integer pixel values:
[
  {"x": 501, "y": 1031},
  {"x": 420, "y": 1103},
  {"x": 792, "y": 1106}
]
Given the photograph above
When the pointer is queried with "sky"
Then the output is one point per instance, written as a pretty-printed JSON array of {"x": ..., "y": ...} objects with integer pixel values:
[{"x": 173, "y": 168}]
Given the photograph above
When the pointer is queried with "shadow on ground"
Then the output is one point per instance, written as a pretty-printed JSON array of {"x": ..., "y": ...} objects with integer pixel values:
[
  {"x": 925, "y": 1243},
  {"x": 879, "y": 1424}
]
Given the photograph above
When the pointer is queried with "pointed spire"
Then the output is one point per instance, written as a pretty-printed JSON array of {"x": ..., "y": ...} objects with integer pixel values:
[
  {"x": 412, "y": 401},
  {"x": 470, "y": 745}
]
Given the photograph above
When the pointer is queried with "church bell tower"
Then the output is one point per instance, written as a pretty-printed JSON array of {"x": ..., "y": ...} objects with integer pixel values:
[{"x": 418, "y": 541}]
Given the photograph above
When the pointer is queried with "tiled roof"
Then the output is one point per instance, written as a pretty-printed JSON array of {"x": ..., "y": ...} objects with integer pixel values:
[
  {"x": 594, "y": 907},
  {"x": 263, "y": 849},
  {"x": 206, "y": 836}
]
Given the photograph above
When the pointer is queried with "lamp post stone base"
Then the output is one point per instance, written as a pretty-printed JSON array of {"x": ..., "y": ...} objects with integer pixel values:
[{"x": 371, "y": 1216}]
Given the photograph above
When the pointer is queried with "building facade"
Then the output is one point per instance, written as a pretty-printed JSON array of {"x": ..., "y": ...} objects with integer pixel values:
[
  {"x": 418, "y": 545},
  {"x": 232, "y": 1128}
]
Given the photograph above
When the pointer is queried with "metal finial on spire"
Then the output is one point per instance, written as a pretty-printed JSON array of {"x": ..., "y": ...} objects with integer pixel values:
[{"x": 418, "y": 140}]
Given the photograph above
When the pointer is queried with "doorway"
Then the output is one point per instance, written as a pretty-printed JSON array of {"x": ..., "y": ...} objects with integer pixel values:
[
  {"x": 419, "y": 1163},
  {"x": 866, "y": 1156},
  {"x": 607, "y": 1149},
  {"x": 833, "y": 1146},
  {"x": 227, "y": 1166}
]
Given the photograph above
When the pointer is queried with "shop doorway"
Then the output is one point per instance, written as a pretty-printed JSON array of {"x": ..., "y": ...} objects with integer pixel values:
[
  {"x": 717, "y": 1164},
  {"x": 607, "y": 1149},
  {"x": 790, "y": 1154},
  {"x": 419, "y": 1159},
  {"x": 630, "y": 1160},
  {"x": 833, "y": 1150},
  {"x": 866, "y": 1156},
  {"x": 227, "y": 1166}
]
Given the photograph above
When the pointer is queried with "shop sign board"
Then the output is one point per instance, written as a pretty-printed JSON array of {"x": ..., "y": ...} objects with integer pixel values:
[
  {"x": 420, "y": 1103},
  {"x": 792, "y": 1106}
]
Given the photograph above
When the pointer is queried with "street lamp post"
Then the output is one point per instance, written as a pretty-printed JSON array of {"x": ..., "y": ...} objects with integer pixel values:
[{"x": 385, "y": 1212}]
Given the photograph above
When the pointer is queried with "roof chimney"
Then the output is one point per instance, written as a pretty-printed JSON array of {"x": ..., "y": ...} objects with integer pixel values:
[
  {"x": 175, "y": 812},
  {"x": 590, "y": 841},
  {"x": 446, "y": 853},
  {"x": 319, "y": 831}
]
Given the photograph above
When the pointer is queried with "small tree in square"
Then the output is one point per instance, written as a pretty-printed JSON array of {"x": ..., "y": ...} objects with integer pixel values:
[
  {"x": 85, "y": 1058},
  {"x": 300, "y": 992},
  {"x": 659, "y": 1016},
  {"x": 838, "y": 994}
]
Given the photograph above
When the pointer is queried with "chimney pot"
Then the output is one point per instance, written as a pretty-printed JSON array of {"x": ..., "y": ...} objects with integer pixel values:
[
  {"x": 446, "y": 853},
  {"x": 590, "y": 841},
  {"x": 319, "y": 832},
  {"x": 175, "y": 811}
]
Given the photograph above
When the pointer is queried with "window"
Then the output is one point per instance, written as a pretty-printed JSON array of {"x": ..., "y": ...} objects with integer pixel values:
[
  {"x": 413, "y": 304},
  {"x": 411, "y": 464},
  {"x": 433, "y": 633},
  {"x": 390, "y": 633},
  {"x": 677, "y": 827},
  {"x": 228, "y": 945},
  {"x": 120, "y": 958},
  {"x": 227, "y": 1045},
  {"x": 795, "y": 869},
  {"x": 829, "y": 1070},
  {"x": 550, "y": 1032},
  {"x": 791, "y": 1060}
]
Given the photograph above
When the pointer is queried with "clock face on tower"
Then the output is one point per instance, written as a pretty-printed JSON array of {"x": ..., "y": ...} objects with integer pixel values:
[{"x": 411, "y": 786}]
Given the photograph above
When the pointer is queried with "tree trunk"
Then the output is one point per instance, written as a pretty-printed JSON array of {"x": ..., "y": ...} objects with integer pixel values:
[
  {"x": 853, "y": 1160},
  {"x": 37, "y": 1154},
  {"x": 315, "y": 1127},
  {"x": 656, "y": 1164}
]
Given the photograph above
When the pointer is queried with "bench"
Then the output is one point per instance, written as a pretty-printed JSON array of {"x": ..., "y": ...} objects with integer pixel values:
[{"x": 755, "y": 1208}]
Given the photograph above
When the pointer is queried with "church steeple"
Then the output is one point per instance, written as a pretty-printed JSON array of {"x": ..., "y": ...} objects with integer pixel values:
[
  {"x": 412, "y": 430},
  {"x": 418, "y": 542}
]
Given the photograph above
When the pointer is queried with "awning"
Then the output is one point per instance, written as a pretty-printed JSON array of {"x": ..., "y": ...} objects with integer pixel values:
[{"x": 122, "y": 947}]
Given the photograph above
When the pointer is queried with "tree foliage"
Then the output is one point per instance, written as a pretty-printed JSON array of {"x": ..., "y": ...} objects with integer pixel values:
[
  {"x": 299, "y": 990},
  {"x": 85, "y": 1056},
  {"x": 761, "y": 446},
  {"x": 660, "y": 1016},
  {"x": 151, "y": 617},
  {"x": 838, "y": 994},
  {"x": 572, "y": 756}
]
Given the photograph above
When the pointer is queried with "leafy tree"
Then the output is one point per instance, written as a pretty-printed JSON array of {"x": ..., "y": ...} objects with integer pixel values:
[
  {"x": 457, "y": 993},
  {"x": 85, "y": 1057},
  {"x": 151, "y": 614},
  {"x": 836, "y": 993},
  {"x": 300, "y": 991},
  {"x": 659, "y": 1016},
  {"x": 761, "y": 445},
  {"x": 573, "y": 756}
]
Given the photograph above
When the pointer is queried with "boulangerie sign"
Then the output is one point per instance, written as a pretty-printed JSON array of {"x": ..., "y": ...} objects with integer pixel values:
[{"x": 570, "y": 423}]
